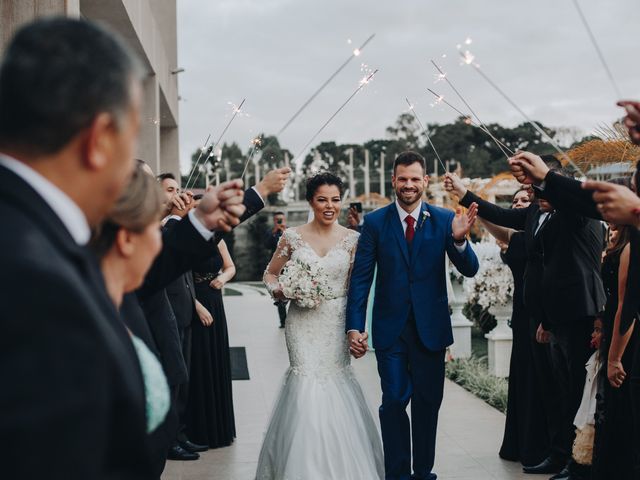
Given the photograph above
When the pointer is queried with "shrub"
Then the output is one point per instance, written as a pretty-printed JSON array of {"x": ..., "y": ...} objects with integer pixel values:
[{"x": 473, "y": 375}]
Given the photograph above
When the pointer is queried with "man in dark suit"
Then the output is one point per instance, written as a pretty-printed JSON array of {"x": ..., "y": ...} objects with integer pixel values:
[
  {"x": 70, "y": 97},
  {"x": 563, "y": 292},
  {"x": 272, "y": 239}
]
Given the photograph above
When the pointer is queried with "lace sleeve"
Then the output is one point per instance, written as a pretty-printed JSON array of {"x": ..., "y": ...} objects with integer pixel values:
[
  {"x": 352, "y": 246},
  {"x": 280, "y": 257}
]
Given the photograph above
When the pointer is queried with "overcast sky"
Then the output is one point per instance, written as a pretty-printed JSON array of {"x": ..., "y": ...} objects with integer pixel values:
[{"x": 276, "y": 53}]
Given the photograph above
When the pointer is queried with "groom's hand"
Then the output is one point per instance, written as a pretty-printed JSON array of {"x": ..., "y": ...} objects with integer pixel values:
[
  {"x": 358, "y": 343},
  {"x": 462, "y": 222}
]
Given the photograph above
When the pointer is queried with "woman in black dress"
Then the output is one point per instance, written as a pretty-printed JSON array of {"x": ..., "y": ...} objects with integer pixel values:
[
  {"x": 613, "y": 449},
  {"x": 209, "y": 418},
  {"x": 525, "y": 434}
]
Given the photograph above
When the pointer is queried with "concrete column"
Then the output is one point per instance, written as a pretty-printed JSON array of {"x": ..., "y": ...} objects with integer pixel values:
[
  {"x": 15, "y": 13},
  {"x": 149, "y": 141},
  {"x": 169, "y": 150},
  {"x": 500, "y": 341},
  {"x": 382, "y": 179}
]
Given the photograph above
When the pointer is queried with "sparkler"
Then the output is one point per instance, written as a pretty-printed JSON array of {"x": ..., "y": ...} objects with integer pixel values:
[
  {"x": 202, "y": 150},
  {"x": 443, "y": 75},
  {"x": 365, "y": 81},
  {"x": 236, "y": 111},
  {"x": 426, "y": 132},
  {"x": 469, "y": 121},
  {"x": 468, "y": 59},
  {"x": 356, "y": 53},
  {"x": 597, "y": 47}
]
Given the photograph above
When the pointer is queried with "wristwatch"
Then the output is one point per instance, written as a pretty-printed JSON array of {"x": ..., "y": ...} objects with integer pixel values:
[{"x": 458, "y": 242}]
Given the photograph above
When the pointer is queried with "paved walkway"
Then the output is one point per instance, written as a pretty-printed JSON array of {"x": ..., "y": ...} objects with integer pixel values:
[{"x": 470, "y": 431}]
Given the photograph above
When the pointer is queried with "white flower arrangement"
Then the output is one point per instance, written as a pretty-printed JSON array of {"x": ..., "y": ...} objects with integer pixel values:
[
  {"x": 304, "y": 284},
  {"x": 493, "y": 284}
]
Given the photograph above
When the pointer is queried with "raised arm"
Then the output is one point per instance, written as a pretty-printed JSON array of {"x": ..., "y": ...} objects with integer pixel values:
[
  {"x": 511, "y": 218},
  {"x": 502, "y": 234}
]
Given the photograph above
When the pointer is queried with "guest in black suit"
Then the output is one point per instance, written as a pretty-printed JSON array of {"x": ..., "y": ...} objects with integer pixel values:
[
  {"x": 567, "y": 295},
  {"x": 69, "y": 114},
  {"x": 273, "y": 237}
]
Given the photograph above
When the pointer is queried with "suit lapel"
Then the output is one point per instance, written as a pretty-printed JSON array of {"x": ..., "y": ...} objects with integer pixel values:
[{"x": 398, "y": 232}]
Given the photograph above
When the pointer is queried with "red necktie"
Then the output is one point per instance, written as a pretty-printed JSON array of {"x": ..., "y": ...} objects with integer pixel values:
[{"x": 410, "y": 230}]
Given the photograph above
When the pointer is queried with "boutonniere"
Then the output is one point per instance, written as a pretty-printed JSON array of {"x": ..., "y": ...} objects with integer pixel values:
[{"x": 425, "y": 215}]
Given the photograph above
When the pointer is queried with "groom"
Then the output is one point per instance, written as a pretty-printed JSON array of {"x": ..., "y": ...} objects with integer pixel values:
[{"x": 407, "y": 241}]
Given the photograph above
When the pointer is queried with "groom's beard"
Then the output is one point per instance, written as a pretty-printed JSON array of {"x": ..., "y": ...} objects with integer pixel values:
[{"x": 409, "y": 196}]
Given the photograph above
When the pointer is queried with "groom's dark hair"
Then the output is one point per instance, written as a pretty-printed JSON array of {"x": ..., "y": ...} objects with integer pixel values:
[{"x": 409, "y": 158}]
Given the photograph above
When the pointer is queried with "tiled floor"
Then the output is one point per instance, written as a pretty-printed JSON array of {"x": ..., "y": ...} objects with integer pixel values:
[{"x": 470, "y": 431}]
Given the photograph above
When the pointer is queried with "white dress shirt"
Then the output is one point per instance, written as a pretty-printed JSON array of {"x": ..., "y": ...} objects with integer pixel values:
[
  {"x": 67, "y": 210},
  {"x": 416, "y": 215},
  {"x": 541, "y": 220}
]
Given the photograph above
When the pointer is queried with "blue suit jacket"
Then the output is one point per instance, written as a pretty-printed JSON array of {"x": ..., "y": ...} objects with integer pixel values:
[{"x": 406, "y": 279}]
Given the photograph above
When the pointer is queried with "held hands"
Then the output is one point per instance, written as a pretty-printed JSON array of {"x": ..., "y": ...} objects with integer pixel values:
[
  {"x": 221, "y": 207},
  {"x": 358, "y": 343},
  {"x": 273, "y": 182},
  {"x": 462, "y": 222},
  {"x": 615, "y": 373},
  {"x": 616, "y": 203},
  {"x": 452, "y": 183},
  {"x": 528, "y": 168}
]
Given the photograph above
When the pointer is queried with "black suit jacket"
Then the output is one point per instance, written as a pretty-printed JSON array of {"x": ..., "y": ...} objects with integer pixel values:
[
  {"x": 71, "y": 378},
  {"x": 567, "y": 193},
  {"x": 567, "y": 249}
]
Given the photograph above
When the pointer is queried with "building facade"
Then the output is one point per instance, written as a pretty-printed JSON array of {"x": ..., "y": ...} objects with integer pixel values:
[{"x": 150, "y": 28}]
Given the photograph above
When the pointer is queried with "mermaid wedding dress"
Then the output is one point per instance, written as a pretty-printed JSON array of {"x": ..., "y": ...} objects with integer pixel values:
[{"x": 321, "y": 427}]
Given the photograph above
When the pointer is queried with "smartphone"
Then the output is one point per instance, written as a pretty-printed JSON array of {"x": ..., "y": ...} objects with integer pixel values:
[
  {"x": 357, "y": 206},
  {"x": 279, "y": 221}
]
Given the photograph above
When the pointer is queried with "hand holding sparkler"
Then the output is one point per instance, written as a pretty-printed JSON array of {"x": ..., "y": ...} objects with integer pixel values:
[
  {"x": 273, "y": 182},
  {"x": 616, "y": 203},
  {"x": 528, "y": 168},
  {"x": 462, "y": 223},
  {"x": 632, "y": 120},
  {"x": 221, "y": 207},
  {"x": 453, "y": 184}
]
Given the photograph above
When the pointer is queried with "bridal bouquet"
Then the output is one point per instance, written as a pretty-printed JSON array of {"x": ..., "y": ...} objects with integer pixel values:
[
  {"x": 304, "y": 283},
  {"x": 493, "y": 284}
]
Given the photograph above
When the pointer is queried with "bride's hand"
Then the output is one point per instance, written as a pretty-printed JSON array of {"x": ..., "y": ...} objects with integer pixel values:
[{"x": 358, "y": 343}]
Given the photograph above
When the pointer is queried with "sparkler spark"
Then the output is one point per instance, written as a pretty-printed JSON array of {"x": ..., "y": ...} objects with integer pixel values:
[
  {"x": 439, "y": 77},
  {"x": 457, "y": 92},
  {"x": 426, "y": 132},
  {"x": 237, "y": 110},
  {"x": 361, "y": 85},
  {"x": 469, "y": 121},
  {"x": 542, "y": 133},
  {"x": 467, "y": 57},
  {"x": 357, "y": 52},
  {"x": 468, "y": 41}
]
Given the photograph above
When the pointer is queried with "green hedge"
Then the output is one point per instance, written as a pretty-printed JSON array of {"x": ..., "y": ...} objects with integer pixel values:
[{"x": 473, "y": 375}]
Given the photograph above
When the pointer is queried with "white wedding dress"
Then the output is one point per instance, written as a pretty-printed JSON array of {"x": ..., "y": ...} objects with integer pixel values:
[{"x": 321, "y": 427}]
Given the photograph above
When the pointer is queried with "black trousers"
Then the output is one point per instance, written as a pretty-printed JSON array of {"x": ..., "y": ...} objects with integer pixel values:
[
  {"x": 570, "y": 350},
  {"x": 180, "y": 396},
  {"x": 547, "y": 391},
  {"x": 282, "y": 312}
]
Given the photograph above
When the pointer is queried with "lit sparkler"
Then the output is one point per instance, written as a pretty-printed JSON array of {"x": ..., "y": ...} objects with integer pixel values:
[
  {"x": 203, "y": 150},
  {"x": 426, "y": 132},
  {"x": 236, "y": 111},
  {"x": 365, "y": 81},
  {"x": 356, "y": 53},
  {"x": 544, "y": 134},
  {"x": 597, "y": 47},
  {"x": 469, "y": 121},
  {"x": 457, "y": 92}
]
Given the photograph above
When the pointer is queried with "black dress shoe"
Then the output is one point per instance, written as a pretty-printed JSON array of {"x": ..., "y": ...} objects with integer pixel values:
[
  {"x": 565, "y": 474},
  {"x": 189, "y": 446},
  {"x": 176, "y": 452},
  {"x": 548, "y": 465}
]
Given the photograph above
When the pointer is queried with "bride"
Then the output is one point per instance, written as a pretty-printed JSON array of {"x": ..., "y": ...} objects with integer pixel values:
[{"x": 321, "y": 427}]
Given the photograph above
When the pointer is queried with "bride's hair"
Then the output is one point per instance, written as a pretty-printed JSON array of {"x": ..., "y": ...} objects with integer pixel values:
[{"x": 320, "y": 179}]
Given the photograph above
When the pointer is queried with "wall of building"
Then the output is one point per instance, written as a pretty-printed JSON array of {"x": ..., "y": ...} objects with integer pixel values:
[{"x": 149, "y": 26}]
